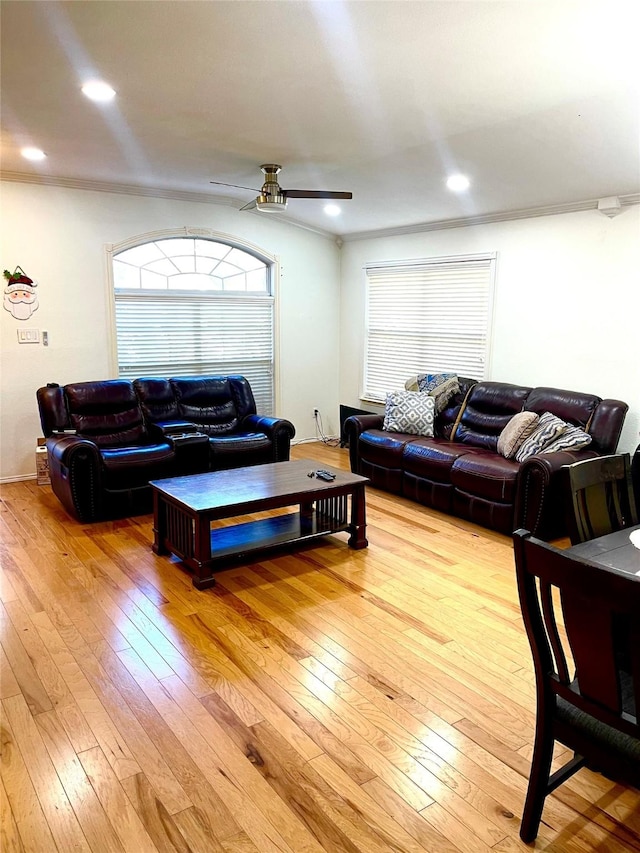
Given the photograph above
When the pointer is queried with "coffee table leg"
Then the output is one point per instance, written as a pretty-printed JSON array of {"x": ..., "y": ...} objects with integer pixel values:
[
  {"x": 202, "y": 557},
  {"x": 159, "y": 525},
  {"x": 358, "y": 529}
]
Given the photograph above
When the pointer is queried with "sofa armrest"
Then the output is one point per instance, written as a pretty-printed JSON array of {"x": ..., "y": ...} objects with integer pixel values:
[
  {"x": 540, "y": 499},
  {"x": 279, "y": 430},
  {"x": 76, "y": 475},
  {"x": 354, "y": 426}
]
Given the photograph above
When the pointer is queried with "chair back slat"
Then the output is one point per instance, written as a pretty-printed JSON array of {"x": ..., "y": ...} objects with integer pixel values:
[
  {"x": 600, "y": 497},
  {"x": 588, "y": 623},
  {"x": 551, "y": 626}
]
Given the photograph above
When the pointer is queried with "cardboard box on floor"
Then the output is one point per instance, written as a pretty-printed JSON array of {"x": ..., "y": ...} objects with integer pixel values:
[{"x": 42, "y": 464}]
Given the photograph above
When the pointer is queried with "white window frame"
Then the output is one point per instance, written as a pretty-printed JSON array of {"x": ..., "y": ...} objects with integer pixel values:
[
  {"x": 272, "y": 261},
  {"x": 396, "y": 376}
]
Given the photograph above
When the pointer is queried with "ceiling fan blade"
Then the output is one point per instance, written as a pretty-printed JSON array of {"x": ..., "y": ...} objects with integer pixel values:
[
  {"x": 314, "y": 194},
  {"x": 251, "y": 206},
  {"x": 222, "y": 184}
]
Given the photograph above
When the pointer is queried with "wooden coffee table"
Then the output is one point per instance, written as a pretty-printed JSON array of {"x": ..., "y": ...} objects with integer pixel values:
[{"x": 184, "y": 507}]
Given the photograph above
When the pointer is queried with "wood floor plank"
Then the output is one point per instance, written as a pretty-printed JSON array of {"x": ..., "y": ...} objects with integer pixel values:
[
  {"x": 34, "y": 831},
  {"x": 57, "y": 809},
  {"x": 116, "y": 804},
  {"x": 95, "y": 825},
  {"x": 323, "y": 700}
]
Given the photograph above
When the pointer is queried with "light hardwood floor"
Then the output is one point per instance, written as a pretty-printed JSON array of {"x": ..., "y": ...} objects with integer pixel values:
[{"x": 375, "y": 701}]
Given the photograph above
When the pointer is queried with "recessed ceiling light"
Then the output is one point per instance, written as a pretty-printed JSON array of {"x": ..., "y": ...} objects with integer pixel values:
[
  {"x": 33, "y": 154},
  {"x": 458, "y": 183},
  {"x": 98, "y": 91},
  {"x": 332, "y": 209}
]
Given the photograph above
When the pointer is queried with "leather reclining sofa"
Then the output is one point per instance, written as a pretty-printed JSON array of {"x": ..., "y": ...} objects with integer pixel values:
[
  {"x": 459, "y": 471},
  {"x": 106, "y": 440}
]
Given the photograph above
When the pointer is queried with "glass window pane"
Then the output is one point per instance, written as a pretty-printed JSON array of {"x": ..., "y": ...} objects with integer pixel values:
[
  {"x": 257, "y": 280},
  {"x": 185, "y": 263},
  {"x": 211, "y": 249},
  {"x": 153, "y": 281},
  {"x": 205, "y": 265},
  {"x": 173, "y": 247},
  {"x": 164, "y": 267},
  {"x": 235, "y": 282},
  {"x": 141, "y": 255},
  {"x": 224, "y": 269},
  {"x": 193, "y": 281},
  {"x": 125, "y": 275},
  {"x": 243, "y": 260}
]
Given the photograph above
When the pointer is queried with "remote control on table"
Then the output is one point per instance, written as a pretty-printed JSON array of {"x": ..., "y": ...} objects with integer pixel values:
[{"x": 327, "y": 476}]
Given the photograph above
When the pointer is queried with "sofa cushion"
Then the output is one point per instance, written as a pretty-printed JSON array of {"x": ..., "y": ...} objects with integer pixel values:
[
  {"x": 433, "y": 458},
  {"x": 107, "y": 413},
  {"x": 571, "y": 406},
  {"x": 516, "y": 431},
  {"x": 486, "y": 475},
  {"x": 233, "y": 451},
  {"x": 549, "y": 427},
  {"x": 573, "y": 438},
  {"x": 487, "y": 410},
  {"x": 409, "y": 412},
  {"x": 383, "y": 448},
  {"x": 132, "y": 467}
]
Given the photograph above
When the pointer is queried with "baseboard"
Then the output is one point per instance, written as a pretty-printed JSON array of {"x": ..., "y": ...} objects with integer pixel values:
[{"x": 18, "y": 479}]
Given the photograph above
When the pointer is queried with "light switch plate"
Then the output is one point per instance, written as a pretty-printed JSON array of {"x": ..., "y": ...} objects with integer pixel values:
[{"x": 28, "y": 336}]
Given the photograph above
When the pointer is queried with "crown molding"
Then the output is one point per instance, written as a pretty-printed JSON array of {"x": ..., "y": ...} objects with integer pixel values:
[
  {"x": 502, "y": 216},
  {"x": 154, "y": 192},
  {"x": 339, "y": 239}
]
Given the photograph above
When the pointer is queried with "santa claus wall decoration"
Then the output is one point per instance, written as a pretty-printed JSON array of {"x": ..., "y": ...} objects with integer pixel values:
[{"x": 20, "y": 297}]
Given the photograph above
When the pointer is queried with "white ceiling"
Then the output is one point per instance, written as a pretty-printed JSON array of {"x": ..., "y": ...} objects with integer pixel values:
[{"x": 537, "y": 102}]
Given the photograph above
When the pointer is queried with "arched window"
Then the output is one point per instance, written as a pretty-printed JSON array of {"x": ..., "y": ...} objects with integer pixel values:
[{"x": 193, "y": 305}]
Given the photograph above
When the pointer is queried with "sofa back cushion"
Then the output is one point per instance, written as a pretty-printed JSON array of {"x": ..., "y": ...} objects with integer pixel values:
[
  {"x": 571, "y": 406},
  {"x": 487, "y": 410},
  {"x": 216, "y": 403},
  {"x": 107, "y": 413},
  {"x": 157, "y": 399}
]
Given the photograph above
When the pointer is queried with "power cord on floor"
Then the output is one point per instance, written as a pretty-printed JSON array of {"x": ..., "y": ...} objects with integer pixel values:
[{"x": 330, "y": 442}]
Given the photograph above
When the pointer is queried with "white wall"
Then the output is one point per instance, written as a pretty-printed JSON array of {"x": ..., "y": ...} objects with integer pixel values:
[
  {"x": 567, "y": 307},
  {"x": 58, "y": 237}
]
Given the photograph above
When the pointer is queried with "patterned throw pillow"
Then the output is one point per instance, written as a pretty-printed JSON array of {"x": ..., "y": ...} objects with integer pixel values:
[
  {"x": 516, "y": 432},
  {"x": 443, "y": 393},
  {"x": 548, "y": 429},
  {"x": 573, "y": 438},
  {"x": 409, "y": 411},
  {"x": 428, "y": 381}
]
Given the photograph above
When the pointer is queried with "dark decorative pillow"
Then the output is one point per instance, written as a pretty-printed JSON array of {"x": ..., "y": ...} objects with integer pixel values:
[
  {"x": 549, "y": 428},
  {"x": 516, "y": 431},
  {"x": 409, "y": 411}
]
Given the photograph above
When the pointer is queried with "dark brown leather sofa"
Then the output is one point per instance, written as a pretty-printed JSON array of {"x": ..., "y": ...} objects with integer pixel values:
[
  {"x": 106, "y": 440},
  {"x": 459, "y": 470}
]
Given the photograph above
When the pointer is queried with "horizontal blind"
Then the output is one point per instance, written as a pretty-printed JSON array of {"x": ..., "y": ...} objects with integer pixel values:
[
  {"x": 179, "y": 335},
  {"x": 426, "y": 318}
]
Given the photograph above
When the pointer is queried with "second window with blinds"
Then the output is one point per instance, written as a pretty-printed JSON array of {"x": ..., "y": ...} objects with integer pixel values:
[{"x": 427, "y": 316}]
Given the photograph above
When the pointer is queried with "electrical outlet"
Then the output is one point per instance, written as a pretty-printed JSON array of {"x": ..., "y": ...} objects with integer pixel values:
[{"x": 316, "y": 412}]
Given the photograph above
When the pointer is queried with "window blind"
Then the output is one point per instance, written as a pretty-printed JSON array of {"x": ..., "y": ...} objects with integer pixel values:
[
  {"x": 176, "y": 335},
  {"x": 426, "y": 317}
]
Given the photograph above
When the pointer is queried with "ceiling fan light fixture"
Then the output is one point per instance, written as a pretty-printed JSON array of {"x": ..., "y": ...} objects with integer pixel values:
[{"x": 271, "y": 203}]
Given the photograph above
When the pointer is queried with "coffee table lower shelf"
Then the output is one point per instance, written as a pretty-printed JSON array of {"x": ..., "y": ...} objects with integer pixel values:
[{"x": 185, "y": 508}]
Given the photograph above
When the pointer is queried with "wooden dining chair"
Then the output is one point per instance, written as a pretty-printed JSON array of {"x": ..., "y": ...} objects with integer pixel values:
[
  {"x": 599, "y": 496},
  {"x": 583, "y": 625}
]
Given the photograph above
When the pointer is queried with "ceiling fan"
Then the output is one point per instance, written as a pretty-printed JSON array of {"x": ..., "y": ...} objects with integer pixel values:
[{"x": 272, "y": 198}]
